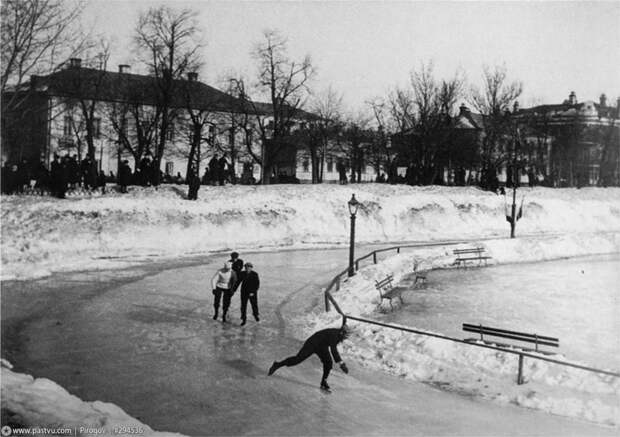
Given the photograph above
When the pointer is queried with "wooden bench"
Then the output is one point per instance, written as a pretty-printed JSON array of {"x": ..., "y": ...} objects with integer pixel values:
[
  {"x": 538, "y": 340},
  {"x": 470, "y": 254},
  {"x": 386, "y": 290},
  {"x": 420, "y": 275}
]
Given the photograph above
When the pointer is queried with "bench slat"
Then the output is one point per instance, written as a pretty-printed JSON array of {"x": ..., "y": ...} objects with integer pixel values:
[{"x": 489, "y": 330}]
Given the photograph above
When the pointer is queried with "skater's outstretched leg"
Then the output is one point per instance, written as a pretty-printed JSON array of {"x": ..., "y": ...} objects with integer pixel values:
[
  {"x": 302, "y": 355},
  {"x": 326, "y": 359}
]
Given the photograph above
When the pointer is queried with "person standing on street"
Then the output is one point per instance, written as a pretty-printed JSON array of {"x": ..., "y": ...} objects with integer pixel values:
[
  {"x": 321, "y": 343},
  {"x": 249, "y": 291},
  {"x": 223, "y": 283},
  {"x": 237, "y": 266}
]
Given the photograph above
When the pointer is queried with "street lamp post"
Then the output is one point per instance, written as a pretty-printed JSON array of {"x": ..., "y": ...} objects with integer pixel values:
[{"x": 353, "y": 205}]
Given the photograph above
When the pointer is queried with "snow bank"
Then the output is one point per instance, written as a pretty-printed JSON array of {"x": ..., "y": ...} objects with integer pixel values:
[
  {"x": 40, "y": 403},
  {"x": 463, "y": 368},
  {"x": 41, "y": 235}
]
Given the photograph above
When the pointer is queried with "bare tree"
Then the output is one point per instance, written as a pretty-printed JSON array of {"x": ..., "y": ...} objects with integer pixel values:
[
  {"x": 84, "y": 94},
  {"x": 37, "y": 38},
  {"x": 321, "y": 129},
  {"x": 494, "y": 102},
  {"x": 284, "y": 83},
  {"x": 169, "y": 44},
  {"x": 422, "y": 114}
]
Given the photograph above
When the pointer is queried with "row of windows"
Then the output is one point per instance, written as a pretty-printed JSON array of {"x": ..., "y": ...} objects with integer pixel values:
[
  {"x": 69, "y": 127},
  {"x": 330, "y": 164}
]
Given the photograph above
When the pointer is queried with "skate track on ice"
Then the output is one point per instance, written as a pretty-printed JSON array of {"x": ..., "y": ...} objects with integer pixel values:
[{"x": 143, "y": 338}]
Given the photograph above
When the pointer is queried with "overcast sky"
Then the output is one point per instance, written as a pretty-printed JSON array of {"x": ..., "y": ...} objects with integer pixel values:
[{"x": 363, "y": 48}]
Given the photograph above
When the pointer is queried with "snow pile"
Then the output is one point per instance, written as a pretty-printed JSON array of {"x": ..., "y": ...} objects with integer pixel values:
[
  {"x": 40, "y": 235},
  {"x": 486, "y": 373},
  {"x": 40, "y": 403}
]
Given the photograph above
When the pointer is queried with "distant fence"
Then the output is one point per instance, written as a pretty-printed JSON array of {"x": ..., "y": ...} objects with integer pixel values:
[{"x": 335, "y": 284}]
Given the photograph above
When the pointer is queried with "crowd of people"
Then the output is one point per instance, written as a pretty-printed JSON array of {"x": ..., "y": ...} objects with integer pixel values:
[{"x": 66, "y": 173}]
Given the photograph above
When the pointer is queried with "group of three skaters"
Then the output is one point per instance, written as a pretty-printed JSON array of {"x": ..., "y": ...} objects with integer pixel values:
[
  {"x": 226, "y": 281},
  {"x": 323, "y": 343}
]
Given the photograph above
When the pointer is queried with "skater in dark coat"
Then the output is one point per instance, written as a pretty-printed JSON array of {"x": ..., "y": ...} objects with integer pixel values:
[
  {"x": 249, "y": 291},
  {"x": 237, "y": 263},
  {"x": 321, "y": 343}
]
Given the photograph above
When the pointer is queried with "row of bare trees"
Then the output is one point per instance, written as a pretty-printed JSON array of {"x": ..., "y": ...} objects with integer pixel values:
[{"x": 413, "y": 125}]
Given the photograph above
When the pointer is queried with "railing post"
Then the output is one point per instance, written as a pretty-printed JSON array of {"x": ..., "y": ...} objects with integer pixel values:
[
  {"x": 520, "y": 375},
  {"x": 357, "y": 265},
  {"x": 374, "y": 257},
  {"x": 398, "y": 249},
  {"x": 326, "y": 301}
]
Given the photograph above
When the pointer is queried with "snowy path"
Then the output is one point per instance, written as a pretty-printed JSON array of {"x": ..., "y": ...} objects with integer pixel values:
[{"x": 143, "y": 338}]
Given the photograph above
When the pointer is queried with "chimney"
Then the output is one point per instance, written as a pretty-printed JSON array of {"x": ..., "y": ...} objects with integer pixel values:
[
  {"x": 192, "y": 76},
  {"x": 603, "y": 100},
  {"x": 572, "y": 98},
  {"x": 464, "y": 110},
  {"x": 515, "y": 107},
  {"x": 75, "y": 62},
  {"x": 124, "y": 68}
]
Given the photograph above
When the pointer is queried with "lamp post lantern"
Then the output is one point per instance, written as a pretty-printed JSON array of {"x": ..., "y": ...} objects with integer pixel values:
[{"x": 353, "y": 205}]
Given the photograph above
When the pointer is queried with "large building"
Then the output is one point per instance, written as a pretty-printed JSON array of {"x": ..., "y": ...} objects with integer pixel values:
[
  {"x": 574, "y": 143},
  {"x": 568, "y": 144},
  {"x": 117, "y": 112}
]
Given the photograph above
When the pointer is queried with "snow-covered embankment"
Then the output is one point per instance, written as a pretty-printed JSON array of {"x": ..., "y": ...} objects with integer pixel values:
[
  {"x": 42, "y": 406},
  {"x": 42, "y": 235}
]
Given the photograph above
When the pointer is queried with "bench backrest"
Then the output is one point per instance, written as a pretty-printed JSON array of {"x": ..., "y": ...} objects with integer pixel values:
[
  {"x": 504, "y": 333},
  {"x": 384, "y": 284},
  {"x": 471, "y": 250}
]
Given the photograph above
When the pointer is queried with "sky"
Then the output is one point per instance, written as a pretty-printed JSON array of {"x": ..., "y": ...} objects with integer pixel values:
[{"x": 364, "y": 48}]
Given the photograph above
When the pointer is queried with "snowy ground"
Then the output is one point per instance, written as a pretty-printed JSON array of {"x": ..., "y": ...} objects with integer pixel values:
[
  {"x": 466, "y": 369},
  {"x": 40, "y": 235}
]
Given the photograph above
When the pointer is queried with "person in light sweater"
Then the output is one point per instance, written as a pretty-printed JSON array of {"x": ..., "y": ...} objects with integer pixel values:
[{"x": 223, "y": 283}]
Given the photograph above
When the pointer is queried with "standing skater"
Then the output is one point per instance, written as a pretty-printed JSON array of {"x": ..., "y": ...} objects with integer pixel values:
[
  {"x": 320, "y": 343},
  {"x": 222, "y": 283},
  {"x": 237, "y": 263},
  {"x": 249, "y": 289}
]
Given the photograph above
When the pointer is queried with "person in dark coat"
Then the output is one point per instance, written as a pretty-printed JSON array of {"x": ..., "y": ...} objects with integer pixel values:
[
  {"x": 237, "y": 266},
  {"x": 124, "y": 176},
  {"x": 222, "y": 170},
  {"x": 214, "y": 169},
  {"x": 237, "y": 263},
  {"x": 193, "y": 183},
  {"x": 321, "y": 343},
  {"x": 60, "y": 176},
  {"x": 249, "y": 291}
]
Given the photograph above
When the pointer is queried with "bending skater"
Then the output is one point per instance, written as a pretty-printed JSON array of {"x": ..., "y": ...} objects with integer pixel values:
[{"x": 320, "y": 343}]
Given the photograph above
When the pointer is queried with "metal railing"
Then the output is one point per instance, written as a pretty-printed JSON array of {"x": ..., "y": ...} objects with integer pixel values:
[{"x": 329, "y": 299}]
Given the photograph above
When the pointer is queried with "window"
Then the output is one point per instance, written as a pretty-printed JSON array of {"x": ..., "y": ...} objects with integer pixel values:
[
  {"x": 68, "y": 126},
  {"x": 330, "y": 164},
  {"x": 306, "y": 165},
  {"x": 170, "y": 132},
  {"x": 169, "y": 168},
  {"x": 97, "y": 127}
]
